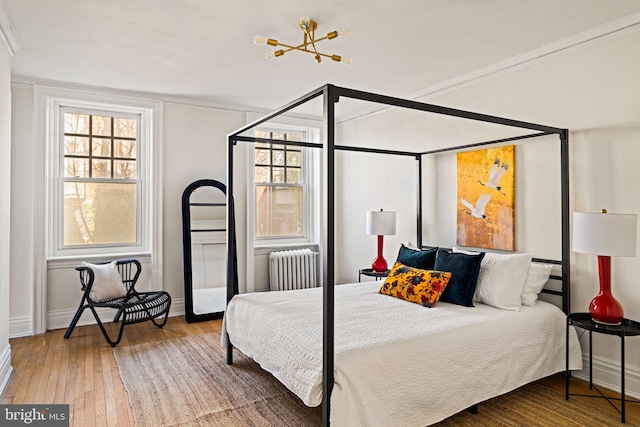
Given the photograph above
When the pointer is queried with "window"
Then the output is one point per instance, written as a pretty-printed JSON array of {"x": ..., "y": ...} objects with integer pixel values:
[
  {"x": 284, "y": 185},
  {"x": 103, "y": 170},
  {"x": 99, "y": 178},
  {"x": 280, "y": 186}
]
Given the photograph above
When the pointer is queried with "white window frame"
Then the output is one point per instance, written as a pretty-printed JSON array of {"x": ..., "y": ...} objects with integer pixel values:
[
  {"x": 139, "y": 181},
  {"x": 149, "y": 191},
  {"x": 308, "y": 181}
]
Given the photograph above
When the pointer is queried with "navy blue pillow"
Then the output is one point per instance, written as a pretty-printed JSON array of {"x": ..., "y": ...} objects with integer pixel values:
[
  {"x": 424, "y": 260},
  {"x": 464, "y": 276}
]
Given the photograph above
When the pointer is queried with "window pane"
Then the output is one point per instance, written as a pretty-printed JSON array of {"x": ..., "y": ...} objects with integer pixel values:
[
  {"x": 124, "y": 127},
  {"x": 262, "y": 134},
  {"x": 278, "y": 175},
  {"x": 262, "y": 157},
  {"x": 76, "y": 168},
  {"x": 294, "y": 136},
  {"x": 99, "y": 213},
  {"x": 293, "y": 176},
  {"x": 101, "y": 125},
  {"x": 101, "y": 168},
  {"x": 101, "y": 147},
  {"x": 293, "y": 158},
  {"x": 278, "y": 135},
  {"x": 279, "y": 211},
  {"x": 278, "y": 157},
  {"x": 76, "y": 145},
  {"x": 262, "y": 174},
  {"x": 124, "y": 169},
  {"x": 76, "y": 123},
  {"x": 125, "y": 149}
]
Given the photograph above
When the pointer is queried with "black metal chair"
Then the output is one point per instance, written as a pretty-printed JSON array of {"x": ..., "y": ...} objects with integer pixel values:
[{"x": 134, "y": 307}]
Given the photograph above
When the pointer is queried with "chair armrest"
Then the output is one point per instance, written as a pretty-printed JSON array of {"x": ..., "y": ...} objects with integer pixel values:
[{"x": 86, "y": 279}]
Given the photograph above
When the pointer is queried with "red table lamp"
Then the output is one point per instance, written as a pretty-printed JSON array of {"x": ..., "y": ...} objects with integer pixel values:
[
  {"x": 381, "y": 223},
  {"x": 605, "y": 235}
]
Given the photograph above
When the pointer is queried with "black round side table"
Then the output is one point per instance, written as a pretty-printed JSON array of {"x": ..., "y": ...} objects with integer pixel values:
[
  {"x": 369, "y": 272},
  {"x": 626, "y": 328}
]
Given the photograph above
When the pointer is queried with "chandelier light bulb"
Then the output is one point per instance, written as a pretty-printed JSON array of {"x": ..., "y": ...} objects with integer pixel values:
[
  {"x": 343, "y": 32},
  {"x": 346, "y": 61},
  {"x": 260, "y": 40},
  {"x": 305, "y": 21},
  {"x": 270, "y": 56}
]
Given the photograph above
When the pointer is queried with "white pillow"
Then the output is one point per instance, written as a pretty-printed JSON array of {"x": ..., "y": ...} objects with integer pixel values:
[
  {"x": 537, "y": 278},
  {"x": 412, "y": 246},
  {"x": 501, "y": 279},
  {"x": 107, "y": 283}
]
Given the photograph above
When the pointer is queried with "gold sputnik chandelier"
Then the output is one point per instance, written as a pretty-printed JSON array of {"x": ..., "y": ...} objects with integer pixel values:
[{"x": 308, "y": 44}]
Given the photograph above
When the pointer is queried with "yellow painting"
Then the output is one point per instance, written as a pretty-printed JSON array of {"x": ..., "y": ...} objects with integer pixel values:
[{"x": 486, "y": 195}]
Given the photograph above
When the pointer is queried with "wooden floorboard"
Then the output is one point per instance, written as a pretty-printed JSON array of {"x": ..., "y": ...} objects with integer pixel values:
[{"x": 82, "y": 372}]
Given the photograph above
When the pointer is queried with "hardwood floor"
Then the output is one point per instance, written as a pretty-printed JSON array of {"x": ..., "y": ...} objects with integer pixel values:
[{"x": 81, "y": 371}]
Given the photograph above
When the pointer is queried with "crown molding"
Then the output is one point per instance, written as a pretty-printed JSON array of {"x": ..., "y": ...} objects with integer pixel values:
[
  {"x": 7, "y": 33},
  {"x": 600, "y": 34},
  {"x": 603, "y": 33},
  {"x": 22, "y": 82}
]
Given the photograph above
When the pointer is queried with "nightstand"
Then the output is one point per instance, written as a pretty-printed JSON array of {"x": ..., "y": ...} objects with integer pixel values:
[
  {"x": 625, "y": 329},
  {"x": 369, "y": 272}
]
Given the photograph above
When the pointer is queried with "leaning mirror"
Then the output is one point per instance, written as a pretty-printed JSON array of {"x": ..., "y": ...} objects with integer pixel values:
[{"x": 205, "y": 252}]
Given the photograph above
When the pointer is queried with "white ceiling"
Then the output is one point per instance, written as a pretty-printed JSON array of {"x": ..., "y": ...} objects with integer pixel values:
[{"x": 204, "y": 49}]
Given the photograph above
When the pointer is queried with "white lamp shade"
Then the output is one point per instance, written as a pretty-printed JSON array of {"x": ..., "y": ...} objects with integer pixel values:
[
  {"x": 605, "y": 234},
  {"x": 381, "y": 223}
]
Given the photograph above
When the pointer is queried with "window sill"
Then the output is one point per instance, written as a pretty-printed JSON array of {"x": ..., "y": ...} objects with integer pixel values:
[{"x": 75, "y": 260}]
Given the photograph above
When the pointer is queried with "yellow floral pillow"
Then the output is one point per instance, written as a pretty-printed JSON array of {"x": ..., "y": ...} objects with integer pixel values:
[{"x": 415, "y": 285}]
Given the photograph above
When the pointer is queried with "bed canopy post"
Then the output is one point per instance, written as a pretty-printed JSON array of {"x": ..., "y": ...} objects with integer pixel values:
[
  {"x": 419, "y": 219},
  {"x": 231, "y": 241},
  {"x": 566, "y": 238},
  {"x": 329, "y": 100}
]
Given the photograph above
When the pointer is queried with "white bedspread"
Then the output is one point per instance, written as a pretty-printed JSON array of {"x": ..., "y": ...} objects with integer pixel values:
[{"x": 398, "y": 363}]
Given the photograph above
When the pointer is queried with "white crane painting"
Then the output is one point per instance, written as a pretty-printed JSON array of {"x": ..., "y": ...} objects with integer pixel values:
[
  {"x": 495, "y": 175},
  {"x": 486, "y": 195},
  {"x": 477, "y": 210}
]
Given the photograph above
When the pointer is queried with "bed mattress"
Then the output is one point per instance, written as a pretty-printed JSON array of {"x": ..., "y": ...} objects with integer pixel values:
[{"x": 398, "y": 363}]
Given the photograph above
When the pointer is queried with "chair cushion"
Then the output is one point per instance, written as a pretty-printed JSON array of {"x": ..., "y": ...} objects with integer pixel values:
[{"x": 107, "y": 283}]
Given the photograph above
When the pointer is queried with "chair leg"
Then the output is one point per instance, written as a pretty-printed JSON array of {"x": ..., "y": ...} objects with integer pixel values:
[
  {"x": 72, "y": 326},
  {"x": 164, "y": 322},
  {"x": 104, "y": 331},
  {"x": 117, "y": 318}
]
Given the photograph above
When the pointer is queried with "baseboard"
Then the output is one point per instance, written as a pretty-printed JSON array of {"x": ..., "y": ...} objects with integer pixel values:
[
  {"x": 20, "y": 327},
  {"x": 606, "y": 373},
  {"x": 5, "y": 367},
  {"x": 60, "y": 319}
]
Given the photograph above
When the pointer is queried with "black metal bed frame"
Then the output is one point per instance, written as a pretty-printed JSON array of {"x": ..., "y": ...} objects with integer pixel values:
[{"x": 331, "y": 95}]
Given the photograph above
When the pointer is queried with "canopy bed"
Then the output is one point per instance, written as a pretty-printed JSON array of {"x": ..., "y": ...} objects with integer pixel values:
[{"x": 366, "y": 360}]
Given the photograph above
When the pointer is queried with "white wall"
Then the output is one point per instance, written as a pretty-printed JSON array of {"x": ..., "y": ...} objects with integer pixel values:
[
  {"x": 22, "y": 211},
  {"x": 595, "y": 92},
  {"x": 366, "y": 182},
  {"x": 5, "y": 211}
]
